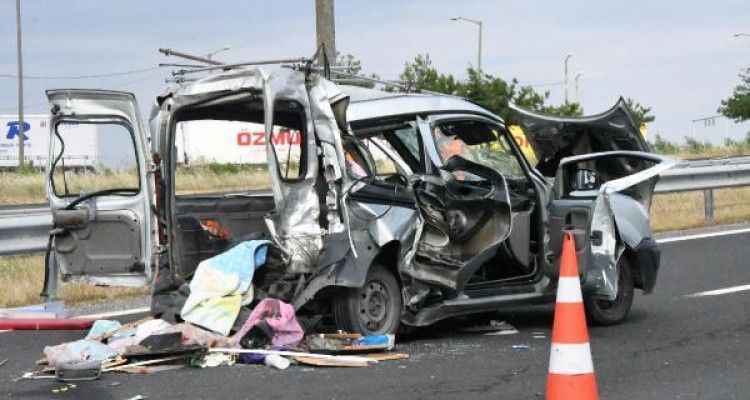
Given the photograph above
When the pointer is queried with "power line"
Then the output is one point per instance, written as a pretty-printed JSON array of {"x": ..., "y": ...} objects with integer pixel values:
[{"x": 72, "y": 77}]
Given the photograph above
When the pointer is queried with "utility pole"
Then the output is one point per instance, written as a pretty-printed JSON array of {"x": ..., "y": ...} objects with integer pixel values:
[
  {"x": 325, "y": 30},
  {"x": 21, "y": 124},
  {"x": 567, "y": 58}
]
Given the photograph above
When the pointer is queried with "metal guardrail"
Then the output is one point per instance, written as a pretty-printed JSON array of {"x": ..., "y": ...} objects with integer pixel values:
[
  {"x": 24, "y": 229},
  {"x": 705, "y": 175}
]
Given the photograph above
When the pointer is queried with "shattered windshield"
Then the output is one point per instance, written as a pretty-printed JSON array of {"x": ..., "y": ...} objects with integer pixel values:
[{"x": 477, "y": 142}]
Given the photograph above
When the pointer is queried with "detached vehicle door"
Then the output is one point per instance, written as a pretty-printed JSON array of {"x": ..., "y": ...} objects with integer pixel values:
[
  {"x": 463, "y": 201},
  {"x": 98, "y": 188},
  {"x": 604, "y": 177}
]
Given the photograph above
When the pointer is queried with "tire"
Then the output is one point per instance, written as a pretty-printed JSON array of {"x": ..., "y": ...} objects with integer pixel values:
[
  {"x": 373, "y": 309},
  {"x": 604, "y": 312}
]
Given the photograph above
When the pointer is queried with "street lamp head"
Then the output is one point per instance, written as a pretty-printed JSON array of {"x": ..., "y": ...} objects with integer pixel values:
[
  {"x": 455, "y": 18},
  {"x": 740, "y": 34}
]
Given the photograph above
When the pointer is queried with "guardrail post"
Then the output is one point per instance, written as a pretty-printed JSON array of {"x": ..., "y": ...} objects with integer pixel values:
[{"x": 708, "y": 204}]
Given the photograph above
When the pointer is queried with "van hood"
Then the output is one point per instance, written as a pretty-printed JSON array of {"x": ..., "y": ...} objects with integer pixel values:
[{"x": 554, "y": 138}]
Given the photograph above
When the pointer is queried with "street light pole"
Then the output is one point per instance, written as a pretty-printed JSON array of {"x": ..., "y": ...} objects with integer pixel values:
[
  {"x": 567, "y": 58},
  {"x": 578, "y": 76},
  {"x": 478, "y": 23},
  {"x": 21, "y": 123}
]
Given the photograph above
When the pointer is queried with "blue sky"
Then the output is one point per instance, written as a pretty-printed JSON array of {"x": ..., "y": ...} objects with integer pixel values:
[{"x": 677, "y": 56}]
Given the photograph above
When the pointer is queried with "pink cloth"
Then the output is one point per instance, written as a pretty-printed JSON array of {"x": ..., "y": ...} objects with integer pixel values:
[{"x": 280, "y": 317}]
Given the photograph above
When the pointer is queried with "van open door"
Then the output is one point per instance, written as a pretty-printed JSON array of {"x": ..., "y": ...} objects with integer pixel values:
[
  {"x": 102, "y": 220},
  {"x": 464, "y": 207},
  {"x": 604, "y": 199}
]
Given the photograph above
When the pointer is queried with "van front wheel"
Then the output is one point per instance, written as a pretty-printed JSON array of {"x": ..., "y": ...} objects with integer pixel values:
[
  {"x": 605, "y": 312},
  {"x": 373, "y": 309}
]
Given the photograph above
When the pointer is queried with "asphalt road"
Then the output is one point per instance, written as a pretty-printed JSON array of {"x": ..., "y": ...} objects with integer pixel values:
[{"x": 672, "y": 347}]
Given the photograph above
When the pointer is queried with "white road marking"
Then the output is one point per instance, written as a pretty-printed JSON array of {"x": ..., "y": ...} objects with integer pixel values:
[
  {"x": 702, "y": 235},
  {"x": 115, "y": 313},
  {"x": 717, "y": 292}
]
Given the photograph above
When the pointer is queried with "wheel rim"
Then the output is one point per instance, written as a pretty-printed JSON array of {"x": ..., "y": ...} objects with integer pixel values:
[{"x": 374, "y": 305}]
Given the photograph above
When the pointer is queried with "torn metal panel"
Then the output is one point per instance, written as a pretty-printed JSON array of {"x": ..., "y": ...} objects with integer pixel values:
[
  {"x": 388, "y": 222},
  {"x": 296, "y": 218},
  {"x": 602, "y": 271},
  {"x": 554, "y": 138},
  {"x": 631, "y": 217},
  {"x": 324, "y": 96},
  {"x": 457, "y": 233}
]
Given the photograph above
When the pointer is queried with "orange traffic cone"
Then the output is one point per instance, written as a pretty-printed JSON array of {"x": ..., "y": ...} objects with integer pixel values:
[{"x": 571, "y": 371}]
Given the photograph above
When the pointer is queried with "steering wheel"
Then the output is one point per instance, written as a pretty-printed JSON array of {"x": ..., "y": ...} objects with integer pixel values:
[{"x": 80, "y": 199}]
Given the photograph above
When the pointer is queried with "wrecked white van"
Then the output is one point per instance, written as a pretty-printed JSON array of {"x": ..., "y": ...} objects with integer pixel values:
[{"x": 385, "y": 209}]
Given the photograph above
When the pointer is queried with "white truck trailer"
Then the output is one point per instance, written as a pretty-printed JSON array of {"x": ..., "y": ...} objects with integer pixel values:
[{"x": 82, "y": 148}]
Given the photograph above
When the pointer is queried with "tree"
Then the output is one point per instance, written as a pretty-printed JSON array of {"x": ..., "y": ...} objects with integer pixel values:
[
  {"x": 491, "y": 92},
  {"x": 663, "y": 146},
  {"x": 737, "y": 106},
  {"x": 641, "y": 114},
  {"x": 421, "y": 75}
]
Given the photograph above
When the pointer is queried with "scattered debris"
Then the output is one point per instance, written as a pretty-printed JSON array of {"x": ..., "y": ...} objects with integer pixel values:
[
  {"x": 264, "y": 332},
  {"x": 520, "y": 347},
  {"x": 219, "y": 284},
  {"x": 87, "y": 370},
  {"x": 386, "y": 356},
  {"x": 274, "y": 318},
  {"x": 276, "y": 361},
  {"x": 211, "y": 360},
  {"x": 331, "y": 362},
  {"x": 493, "y": 327},
  {"x": 349, "y": 343},
  {"x": 63, "y": 389},
  {"x": 80, "y": 350},
  {"x": 101, "y": 328},
  {"x": 3, "y": 362},
  {"x": 138, "y": 397}
]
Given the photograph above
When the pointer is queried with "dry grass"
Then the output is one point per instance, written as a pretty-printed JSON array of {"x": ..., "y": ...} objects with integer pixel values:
[
  {"x": 686, "y": 210},
  {"x": 29, "y": 188},
  {"x": 205, "y": 180},
  {"x": 22, "y": 188},
  {"x": 22, "y": 278}
]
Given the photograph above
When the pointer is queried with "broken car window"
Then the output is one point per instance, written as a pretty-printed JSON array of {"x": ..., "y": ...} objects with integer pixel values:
[
  {"x": 287, "y": 139},
  {"x": 477, "y": 142},
  {"x": 92, "y": 157},
  {"x": 381, "y": 152},
  {"x": 229, "y": 155},
  {"x": 221, "y": 156}
]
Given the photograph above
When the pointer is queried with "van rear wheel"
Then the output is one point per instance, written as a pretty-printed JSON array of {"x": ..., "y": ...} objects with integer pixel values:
[
  {"x": 373, "y": 309},
  {"x": 605, "y": 312}
]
